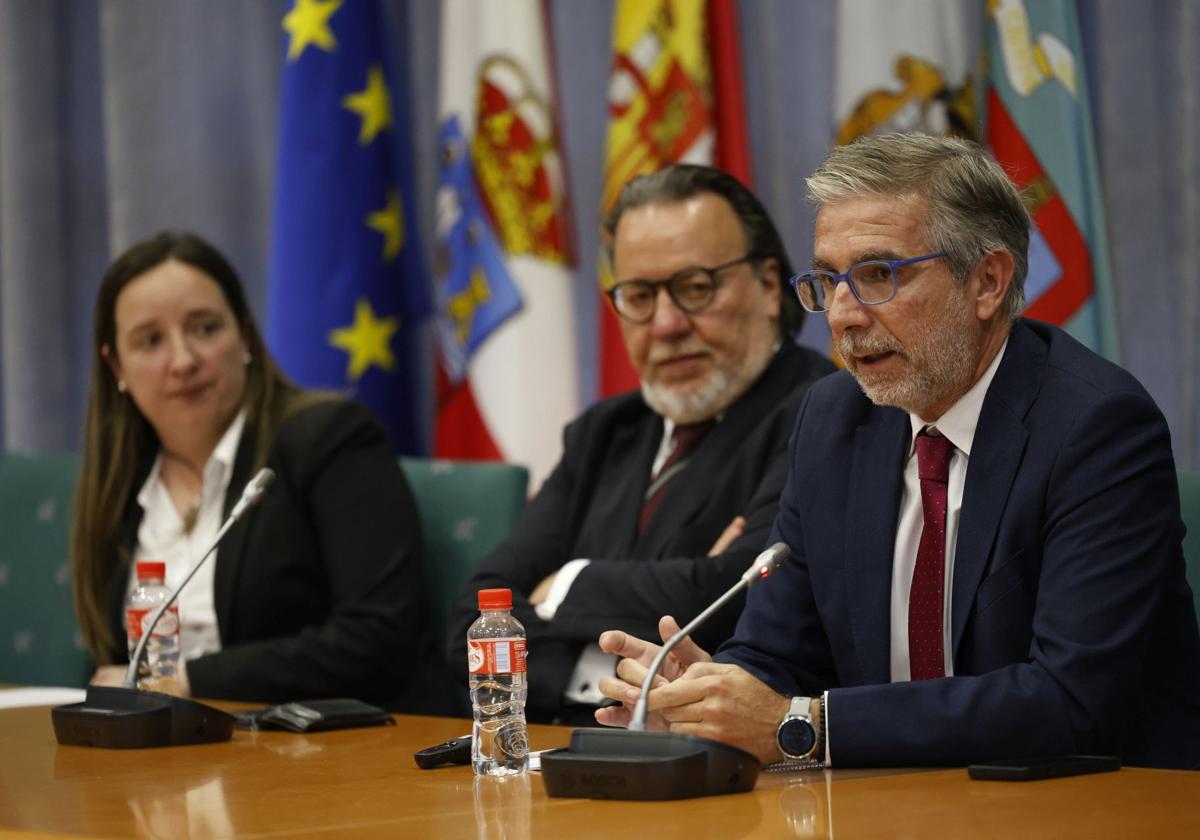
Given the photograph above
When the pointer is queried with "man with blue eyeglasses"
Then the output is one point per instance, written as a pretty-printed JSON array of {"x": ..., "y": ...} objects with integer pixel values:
[
  {"x": 982, "y": 513},
  {"x": 664, "y": 495}
]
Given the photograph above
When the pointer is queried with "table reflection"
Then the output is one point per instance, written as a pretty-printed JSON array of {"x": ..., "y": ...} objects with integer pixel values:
[
  {"x": 297, "y": 746},
  {"x": 502, "y": 806},
  {"x": 806, "y": 804},
  {"x": 198, "y": 812}
]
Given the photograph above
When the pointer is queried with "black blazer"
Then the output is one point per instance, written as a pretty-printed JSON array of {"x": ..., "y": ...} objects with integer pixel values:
[
  {"x": 588, "y": 508},
  {"x": 319, "y": 591},
  {"x": 1073, "y": 627}
]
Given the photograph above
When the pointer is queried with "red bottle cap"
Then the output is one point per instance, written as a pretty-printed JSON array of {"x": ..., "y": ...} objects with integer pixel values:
[
  {"x": 495, "y": 599},
  {"x": 151, "y": 570}
]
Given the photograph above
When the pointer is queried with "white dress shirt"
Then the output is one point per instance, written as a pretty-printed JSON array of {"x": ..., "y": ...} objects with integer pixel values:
[
  {"x": 957, "y": 424},
  {"x": 161, "y": 537}
]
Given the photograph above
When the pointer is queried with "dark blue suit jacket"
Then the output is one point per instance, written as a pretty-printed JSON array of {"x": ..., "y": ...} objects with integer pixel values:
[{"x": 1073, "y": 625}]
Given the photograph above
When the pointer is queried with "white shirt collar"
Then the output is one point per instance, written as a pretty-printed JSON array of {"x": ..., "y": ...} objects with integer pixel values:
[
  {"x": 221, "y": 459},
  {"x": 959, "y": 420},
  {"x": 227, "y": 446}
]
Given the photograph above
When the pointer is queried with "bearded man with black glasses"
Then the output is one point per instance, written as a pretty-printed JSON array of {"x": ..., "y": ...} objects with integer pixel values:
[{"x": 662, "y": 497}]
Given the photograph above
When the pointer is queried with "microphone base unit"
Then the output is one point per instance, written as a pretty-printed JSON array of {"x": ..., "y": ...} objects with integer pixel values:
[
  {"x": 126, "y": 718},
  {"x": 620, "y": 764}
]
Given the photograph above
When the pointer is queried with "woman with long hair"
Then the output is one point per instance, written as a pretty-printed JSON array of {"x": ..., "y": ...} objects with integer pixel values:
[{"x": 318, "y": 591}]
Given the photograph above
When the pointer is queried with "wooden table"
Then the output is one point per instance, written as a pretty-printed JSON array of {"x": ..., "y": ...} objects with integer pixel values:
[{"x": 363, "y": 783}]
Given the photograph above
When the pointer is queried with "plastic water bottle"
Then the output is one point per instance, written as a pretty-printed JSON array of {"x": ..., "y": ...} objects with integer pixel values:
[
  {"x": 159, "y": 669},
  {"x": 496, "y": 665}
]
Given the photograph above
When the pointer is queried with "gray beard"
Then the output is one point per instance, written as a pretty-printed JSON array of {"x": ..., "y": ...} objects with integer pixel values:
[
  {"x": 717, "y": 393},
  {"x": 693, "y": 407},
  {"x": 941, "y": 358}
]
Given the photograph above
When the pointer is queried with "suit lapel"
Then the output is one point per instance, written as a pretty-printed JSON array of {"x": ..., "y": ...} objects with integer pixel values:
[
  {"x": 872, "y": 506},
  {"x": 999, "y": 443},
  {"x": 233, "y": 547},
  {"x": 630, "y": 470},
  {"x": 690, "y": 490}
]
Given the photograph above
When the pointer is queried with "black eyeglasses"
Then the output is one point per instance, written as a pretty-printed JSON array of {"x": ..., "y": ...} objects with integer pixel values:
[
  {"x": 691, "y": 289},
  {"x": 871, "y": 281}
]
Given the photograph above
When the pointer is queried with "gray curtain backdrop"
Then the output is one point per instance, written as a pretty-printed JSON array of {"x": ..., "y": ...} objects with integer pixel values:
[{"x": 122, "y": 117}]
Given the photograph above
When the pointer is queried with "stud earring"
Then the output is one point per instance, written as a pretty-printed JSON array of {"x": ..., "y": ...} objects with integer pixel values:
[{"x": 121, "y": 386}]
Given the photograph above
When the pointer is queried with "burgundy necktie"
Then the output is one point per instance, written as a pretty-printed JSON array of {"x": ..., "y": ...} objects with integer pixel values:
[
  {"x": 925, "y": 598},
  {"x": 683, "y": 443}
]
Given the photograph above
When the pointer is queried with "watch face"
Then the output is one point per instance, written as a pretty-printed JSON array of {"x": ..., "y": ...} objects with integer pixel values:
[{"x": 797, "y": 737}]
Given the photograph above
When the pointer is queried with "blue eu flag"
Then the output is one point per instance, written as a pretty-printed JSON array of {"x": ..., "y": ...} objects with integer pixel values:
[{"x": 347, "y": 284}]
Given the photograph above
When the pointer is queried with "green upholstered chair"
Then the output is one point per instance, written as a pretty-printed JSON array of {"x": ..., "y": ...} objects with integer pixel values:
[
  {"x": 1189, "y": 504},
  {"x": 465, "y": 509},
  {"x": 39, "y": 638}
]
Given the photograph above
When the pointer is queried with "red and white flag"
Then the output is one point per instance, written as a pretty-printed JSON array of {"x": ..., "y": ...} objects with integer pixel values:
[
  {"x": 674, "y": 95},
  {"x": 508, "y": 381}
]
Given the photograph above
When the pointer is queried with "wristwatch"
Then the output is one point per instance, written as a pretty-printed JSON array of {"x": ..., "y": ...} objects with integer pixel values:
[{"x": 796, "y": 735}]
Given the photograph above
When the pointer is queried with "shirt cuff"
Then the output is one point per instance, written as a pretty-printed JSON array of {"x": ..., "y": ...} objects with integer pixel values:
[
  {"x": 825, "y": 724},
  {"x": 584, "y": 685},
  {"x": 558, "y": 590}
]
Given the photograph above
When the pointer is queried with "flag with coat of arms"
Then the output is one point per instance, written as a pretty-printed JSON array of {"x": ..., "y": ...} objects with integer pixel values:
[
  {"x": 904, "y": 67},
  {"x": 508, "y": 377},
  {"x": 347, "y": 287},
  {"x": 675, "y": 95},
  {"x": 1039, "y": 126},
  {"x": 909, "y": 67}
]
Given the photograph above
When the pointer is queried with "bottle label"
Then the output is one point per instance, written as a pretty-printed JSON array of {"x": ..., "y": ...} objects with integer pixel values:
[
  {"x": 496, "y": 656},
  {"x": 136, "y": 621}
]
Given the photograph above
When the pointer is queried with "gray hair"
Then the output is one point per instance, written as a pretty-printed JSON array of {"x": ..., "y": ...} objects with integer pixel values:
[{"x": 973, "y": 207}]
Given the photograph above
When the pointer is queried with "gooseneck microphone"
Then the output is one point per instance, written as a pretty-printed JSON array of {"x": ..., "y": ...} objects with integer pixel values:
[
  {"x": 125, "y": 718},
  {"x": 762, "y": 567},
  {"x": 636, "y": 764},
  {"x": 254, "y": 491}
]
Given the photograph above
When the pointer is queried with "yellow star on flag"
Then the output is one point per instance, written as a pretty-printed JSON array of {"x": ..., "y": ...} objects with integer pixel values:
[
  {"x": 367, "y": 340},
  {"x": 308, "y": 23},
  {"x": 374, "y": 105},
  {"x": 389, "y": 221}
]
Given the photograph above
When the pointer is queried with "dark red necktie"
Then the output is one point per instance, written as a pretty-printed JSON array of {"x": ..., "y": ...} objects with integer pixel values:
[
  {"x": 925, "y": 598},
  {"x": 683, "y": 443}
]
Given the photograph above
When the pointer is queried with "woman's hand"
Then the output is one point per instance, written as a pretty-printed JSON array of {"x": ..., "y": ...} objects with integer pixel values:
[
  {"x": 114, "y": 675},
  {"x": 111, "y": 675}
]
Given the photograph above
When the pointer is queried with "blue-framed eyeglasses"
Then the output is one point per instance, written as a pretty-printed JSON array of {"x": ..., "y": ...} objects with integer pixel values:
[{"x": 871, "y": 281}]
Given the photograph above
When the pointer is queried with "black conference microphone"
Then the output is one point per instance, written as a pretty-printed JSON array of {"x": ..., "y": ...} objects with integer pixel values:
[
  {"x": 125, "y": 717},
  {"x": 636, "y": 764}
]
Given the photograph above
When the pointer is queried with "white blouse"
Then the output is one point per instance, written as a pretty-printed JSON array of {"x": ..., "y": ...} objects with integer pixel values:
[{"x": 161, "y": 537}]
